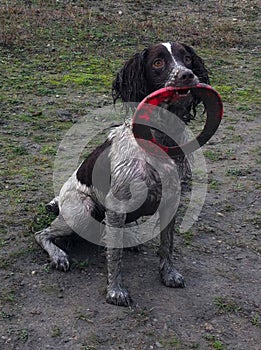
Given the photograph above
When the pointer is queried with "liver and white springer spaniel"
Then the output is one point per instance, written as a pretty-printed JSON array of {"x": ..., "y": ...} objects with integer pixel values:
[{"x": 166, "y": 64}]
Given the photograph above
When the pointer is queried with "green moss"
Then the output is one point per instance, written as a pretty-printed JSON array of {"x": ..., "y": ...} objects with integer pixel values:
[
  {"x": 256, "y": 320},
  {"x": 214, "y": 184},
  {"x": 56, "y": 332},
  {"x": 212, "y": 155},
  {"x": 49, "y": 150},
  {"x": 187, "y": 237},
  {"x": 214, "y": 342},
  {"x": 226, "y": 305}
]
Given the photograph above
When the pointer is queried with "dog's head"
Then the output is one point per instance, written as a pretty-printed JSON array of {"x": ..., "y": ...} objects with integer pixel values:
[{"x": 166, "y": 64}]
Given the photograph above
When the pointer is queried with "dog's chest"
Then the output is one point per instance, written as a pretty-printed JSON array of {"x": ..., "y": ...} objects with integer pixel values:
[{"x": 140, "y": 180}]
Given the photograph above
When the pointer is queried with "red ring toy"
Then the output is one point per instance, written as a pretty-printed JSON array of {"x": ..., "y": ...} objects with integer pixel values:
[{"x": 205, "y": 93}]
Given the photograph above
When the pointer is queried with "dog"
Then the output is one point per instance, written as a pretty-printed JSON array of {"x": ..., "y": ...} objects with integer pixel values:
[{"x": 161, "y": 65}]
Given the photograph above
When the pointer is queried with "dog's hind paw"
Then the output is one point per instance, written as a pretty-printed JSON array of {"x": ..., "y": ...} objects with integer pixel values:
[
  {"x": 171, "y": 277},
  {"x": 60, "y": 261},
  {"x": 52, "y": 207},
  {"x": 118, "y": 296}
]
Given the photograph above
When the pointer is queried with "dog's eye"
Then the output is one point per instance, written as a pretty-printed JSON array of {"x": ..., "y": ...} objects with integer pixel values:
[
  {"x": 187, "y": 60},
  {"x": 158, "y": 63}
]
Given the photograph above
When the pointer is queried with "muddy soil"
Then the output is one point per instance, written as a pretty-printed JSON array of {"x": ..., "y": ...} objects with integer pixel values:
[{"x": 219, "y": 256}]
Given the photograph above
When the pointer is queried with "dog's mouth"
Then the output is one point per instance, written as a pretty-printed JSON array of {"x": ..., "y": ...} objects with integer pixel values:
[
  {"x": 180, "y": 98},
  {"x": 182, "y": 92}
]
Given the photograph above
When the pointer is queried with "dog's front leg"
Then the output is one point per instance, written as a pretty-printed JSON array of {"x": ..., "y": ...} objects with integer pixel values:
[
  {"x": 116, "y": 293},
  {"x": 169, "y": 275}
]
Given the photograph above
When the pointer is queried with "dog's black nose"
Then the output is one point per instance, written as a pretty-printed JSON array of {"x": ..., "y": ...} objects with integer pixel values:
[
  {"x": 182, "y": 77},
  {"x": 185, "y": 76}
]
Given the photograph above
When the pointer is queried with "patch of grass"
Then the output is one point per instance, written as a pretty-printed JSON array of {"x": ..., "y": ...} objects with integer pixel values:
[
  {"x": 46, "y": 268},
  {"x": 238, "y": 172},
  {"x": 212, "y": 155},
  {"x": 20, "y": 150},
  {"x": 85, "y": 318},
  {"x": 49, "y": 150},
  {"x": 226, "y": 92},
  {"x": 5, "y": 315},
  {"x": 7, "y": 296},
  {"x": 56, "y": 331},
  {"x": 230, "y": 153},
  {"x": 217, "y": 344},
  {"x": 187, "y": 237},
  {"x": 95, "y": 73},
  {"x": 256, "y": 320},
  {"x": 256, "y": 219},
  {"x": 237, "y": 186},
  {"x": 194, "y": 346},
  {"x": 214, "y": 184},
  {"x": 23, "y": 335},
  {"x": 3, "y": 242},
  {"x": 4, "y": 263},
  {"x": 230, "y": 127},
  {"x": 80, "y": 265},
  {"x": 214, "y": 342},
  {"x": 249, "y": 117},
  {"x": 226, "y": 305}
]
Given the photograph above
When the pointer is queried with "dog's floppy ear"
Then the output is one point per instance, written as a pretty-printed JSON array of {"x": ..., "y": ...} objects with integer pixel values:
[
  {"x": 130, "y": 83},
  {"x": 198, "y": 66}
]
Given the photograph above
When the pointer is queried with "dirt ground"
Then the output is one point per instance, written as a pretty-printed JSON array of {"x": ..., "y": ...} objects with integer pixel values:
[{"x": 58, "y": 59}]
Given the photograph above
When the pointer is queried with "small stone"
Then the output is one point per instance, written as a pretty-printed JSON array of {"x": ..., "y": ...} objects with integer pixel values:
[
  {"x": 34, "y": 273},
  {"x": 208, "y": 327}
]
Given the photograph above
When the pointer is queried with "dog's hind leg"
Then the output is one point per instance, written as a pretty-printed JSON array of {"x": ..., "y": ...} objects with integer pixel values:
[
  {"x": 169, "y": 275},
  {"x": 58, "y": 228}
]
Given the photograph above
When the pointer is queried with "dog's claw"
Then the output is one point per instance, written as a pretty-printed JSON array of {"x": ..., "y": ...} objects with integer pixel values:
[
  {"x": 118, "y": 296},
  {"x": 60, "y": 262},
  {"x": 171, "y": 277}
]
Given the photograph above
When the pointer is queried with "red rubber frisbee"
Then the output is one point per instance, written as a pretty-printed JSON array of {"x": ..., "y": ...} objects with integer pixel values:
[{"x": 142, "y": 116}]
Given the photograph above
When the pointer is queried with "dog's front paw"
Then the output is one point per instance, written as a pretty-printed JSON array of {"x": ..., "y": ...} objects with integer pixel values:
[
  {"x": 170, "y": 276},
  {"x": 118, "y": 296},
  {"x": 60, "y": 261}
]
